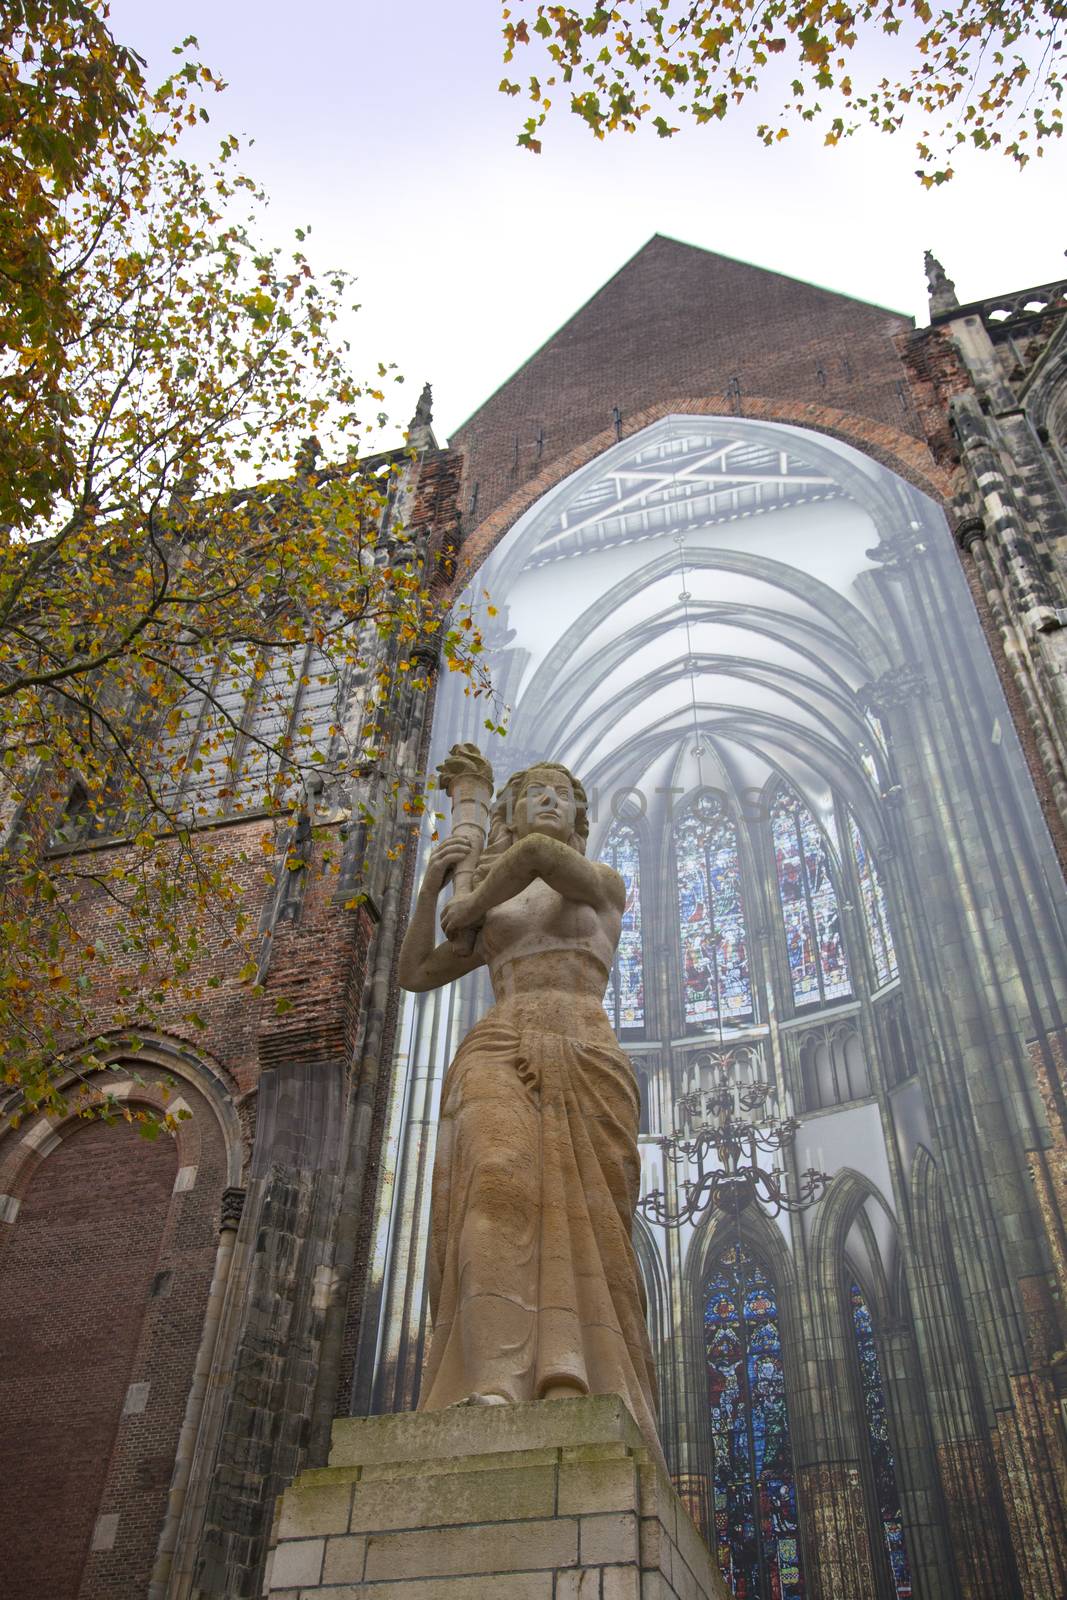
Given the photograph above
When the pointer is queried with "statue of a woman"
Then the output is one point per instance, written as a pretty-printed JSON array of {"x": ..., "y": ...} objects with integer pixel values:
[{"x": 534, "y": 1286}]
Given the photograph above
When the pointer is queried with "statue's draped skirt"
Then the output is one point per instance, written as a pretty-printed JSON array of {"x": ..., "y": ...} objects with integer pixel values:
[{"x": 533, "y": 1278}]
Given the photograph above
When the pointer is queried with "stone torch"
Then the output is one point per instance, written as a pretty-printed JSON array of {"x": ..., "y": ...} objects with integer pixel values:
[{"x": 467, "y": 779}]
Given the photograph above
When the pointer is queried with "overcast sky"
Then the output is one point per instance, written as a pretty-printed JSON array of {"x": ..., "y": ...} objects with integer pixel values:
[{"x": 381, "y": 127}]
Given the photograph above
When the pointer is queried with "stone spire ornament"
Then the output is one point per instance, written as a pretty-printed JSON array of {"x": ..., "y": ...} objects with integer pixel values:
[
  {"x": 420, "y": 428},
  {"x": 941, "y": 289}
]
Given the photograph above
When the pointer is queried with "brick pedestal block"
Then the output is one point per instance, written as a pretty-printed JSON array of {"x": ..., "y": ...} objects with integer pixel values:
[{"x": 554, "y": 1501}]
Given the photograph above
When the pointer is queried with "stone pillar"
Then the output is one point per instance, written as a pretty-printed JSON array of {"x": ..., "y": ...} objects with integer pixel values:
[
  {"x": 558, "y": 1500},
  {"x": 925, "y": 1534},
  {"x": 837, "y": 1542}
]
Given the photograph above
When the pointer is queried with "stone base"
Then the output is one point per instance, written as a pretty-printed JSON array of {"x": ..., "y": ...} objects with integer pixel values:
[{"x": 554, "y": 1501}]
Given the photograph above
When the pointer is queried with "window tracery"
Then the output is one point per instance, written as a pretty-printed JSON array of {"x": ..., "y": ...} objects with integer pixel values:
[
  {"x": 244, "y": 728},
  {"x": 885, "y": 1478},
  {"x": 815, "y": 949},
  {"x": 716, "y": 980},
  {"x": 624, "y": 1000},
  {"x": 755, "y": 1500},
  {"x": 875, "y": 910}
]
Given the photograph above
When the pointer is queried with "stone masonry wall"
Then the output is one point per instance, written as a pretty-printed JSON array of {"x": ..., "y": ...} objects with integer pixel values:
[{"x": 559, "y": 1500}]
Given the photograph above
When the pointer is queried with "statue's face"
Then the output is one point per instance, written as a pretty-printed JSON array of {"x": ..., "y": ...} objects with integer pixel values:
[{"x": 545, "y": 805}]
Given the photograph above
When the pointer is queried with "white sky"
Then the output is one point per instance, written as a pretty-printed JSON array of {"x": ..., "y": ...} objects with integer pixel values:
[{"x": 381, "y": 127}]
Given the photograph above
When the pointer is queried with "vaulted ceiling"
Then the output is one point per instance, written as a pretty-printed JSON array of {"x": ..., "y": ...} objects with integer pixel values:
[{"x": 698, "y": 607}]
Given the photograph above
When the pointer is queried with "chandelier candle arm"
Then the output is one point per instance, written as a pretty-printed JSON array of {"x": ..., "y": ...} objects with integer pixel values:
[{"x": 715, "y": 1125}]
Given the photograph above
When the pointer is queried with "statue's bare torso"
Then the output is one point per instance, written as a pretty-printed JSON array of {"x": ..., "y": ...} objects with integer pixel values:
[{"x": 539, "y": 940}]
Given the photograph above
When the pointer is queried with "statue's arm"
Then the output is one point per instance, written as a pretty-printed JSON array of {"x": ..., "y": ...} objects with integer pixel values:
[
  {"x": 424, "y": 965},
  {"x": 537, "y": 856}
]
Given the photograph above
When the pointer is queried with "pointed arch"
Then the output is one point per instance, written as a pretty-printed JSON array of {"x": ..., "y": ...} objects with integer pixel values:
[
  {"x": 101, "y": 1225},
  {"x": 838, "y": 1213},
  {"x": 762, "y": 1242},
  {"x": 862, "y": 1292},
  {"x": 156, "y": 1064},
  {"x": 902, "y": 456},
  {"x": 811, "y": 919}
]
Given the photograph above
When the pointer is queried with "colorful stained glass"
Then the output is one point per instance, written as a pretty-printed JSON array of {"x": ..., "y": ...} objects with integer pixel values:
[
  {"x": 814, "y": 946},
  {"x": 624, "y": 1001},
  {"x": 755, "y": 1492},
  {"x": 875, "y": 910},
  {"x": 885, "y": 1477},
  {"x": 714, "y": 947}
]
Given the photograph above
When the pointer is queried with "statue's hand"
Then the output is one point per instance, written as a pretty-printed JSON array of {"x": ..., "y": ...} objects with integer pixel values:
[
  {"x": 444, "y": 860},
  {"x": 463, "y": 911}
]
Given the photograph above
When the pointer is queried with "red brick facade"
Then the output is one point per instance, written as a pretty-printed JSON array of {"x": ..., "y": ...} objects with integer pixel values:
[
  {"x": 676, "y": 320},
  {"x": 105, "y": 1267},
  {"x": 105, "y": 1278}
]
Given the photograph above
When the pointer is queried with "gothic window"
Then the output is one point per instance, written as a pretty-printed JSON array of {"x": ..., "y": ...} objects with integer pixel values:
[
  {"x": 716, "y": 978},
  {"x": 755, "y": 1492},
  {"x": 77, "y": 820},
  {"x": 814, "y": 947},
  {"x": 244, "y": 726},
  {"x": 885, "y": 1477},
  {"x": 624, "y": 1001},
  {"x": 875, "y": 911}
]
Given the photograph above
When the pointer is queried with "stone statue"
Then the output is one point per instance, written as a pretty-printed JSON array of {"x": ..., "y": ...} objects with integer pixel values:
[
  {"x": 940, "y": 287},
  {"x": 534, "y": 1288}
]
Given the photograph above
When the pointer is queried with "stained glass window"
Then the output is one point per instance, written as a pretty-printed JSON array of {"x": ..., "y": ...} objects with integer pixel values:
[
  {"x": 870, "y": 765},
  {"x": 885, "y": 1477},
  {"x": 875, "y": 911},
  {"x": 816, "y": 951},
  {"x": 624, "y": 1001},
  {"x": 755, "y": 1493},
  {"x": 714, "y": 948}
]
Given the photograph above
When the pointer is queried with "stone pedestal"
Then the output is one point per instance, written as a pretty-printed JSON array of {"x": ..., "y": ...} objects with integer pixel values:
[{"x": 554, "y": 1501}]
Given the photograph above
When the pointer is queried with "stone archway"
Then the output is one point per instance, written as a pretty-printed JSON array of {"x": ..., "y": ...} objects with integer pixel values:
[{"x": 107, "y": 1256}]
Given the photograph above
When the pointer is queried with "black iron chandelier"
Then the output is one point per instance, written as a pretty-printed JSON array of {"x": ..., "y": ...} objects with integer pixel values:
[{"x": 728, "y": 1141}]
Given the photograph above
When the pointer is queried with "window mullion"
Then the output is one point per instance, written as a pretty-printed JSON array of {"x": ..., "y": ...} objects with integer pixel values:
[{"x": 809, "y": 902}]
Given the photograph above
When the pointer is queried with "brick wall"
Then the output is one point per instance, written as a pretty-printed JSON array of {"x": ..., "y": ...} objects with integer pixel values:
[
  {"x": 676, "y": 321},
  {"x": 935, "y": 374},
  {"x": 229, "y": 1011},
  {"x": 105, "y": 1272},
  {"x": 103, "y": 1279},
  {"x": 145, "y": 1251}
]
